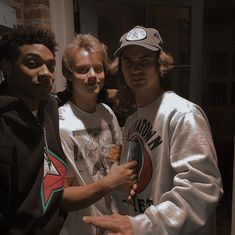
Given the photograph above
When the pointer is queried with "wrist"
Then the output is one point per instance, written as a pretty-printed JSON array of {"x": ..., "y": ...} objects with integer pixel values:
[{"x": 106, "y": 184}]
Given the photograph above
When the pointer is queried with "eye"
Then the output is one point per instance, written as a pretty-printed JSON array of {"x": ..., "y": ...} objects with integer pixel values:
[
  {"x": 148, "y": 61},
  {"x": 127, "y": 62},
  {"x": 99, "y": 69},
  {"x": 145, "y": 61},
  {"x": 81, "y": 70},
  {"x": 32, "y": 64}
]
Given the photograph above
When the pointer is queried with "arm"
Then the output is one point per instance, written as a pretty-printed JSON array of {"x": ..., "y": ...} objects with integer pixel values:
[{"x": 78, "y": 197}]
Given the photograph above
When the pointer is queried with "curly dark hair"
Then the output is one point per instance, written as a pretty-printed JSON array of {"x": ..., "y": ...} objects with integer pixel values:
[{"x": 25, "y": 35}]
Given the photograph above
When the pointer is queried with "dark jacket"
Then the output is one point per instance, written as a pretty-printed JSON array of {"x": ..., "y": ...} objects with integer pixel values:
[{"x": 30, "y": 196}]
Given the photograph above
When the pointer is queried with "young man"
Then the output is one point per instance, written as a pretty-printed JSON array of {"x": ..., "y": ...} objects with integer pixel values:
[
  {"x": 179, "y": 182},
  {"x": 88, "y": 129},
  {"x": 32, "y": 162}
]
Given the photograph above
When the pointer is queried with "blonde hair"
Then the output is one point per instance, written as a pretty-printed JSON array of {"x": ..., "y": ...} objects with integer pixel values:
[
  {"x": 88, "y": 42},
  {"x": 91, "y": 44}
]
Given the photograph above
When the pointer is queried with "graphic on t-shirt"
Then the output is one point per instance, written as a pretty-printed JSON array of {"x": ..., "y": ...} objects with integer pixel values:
[
  {"x": 145, "y": 169},
  {"x": 88, "y": 150},
  {"x": 53, "y": 181}
]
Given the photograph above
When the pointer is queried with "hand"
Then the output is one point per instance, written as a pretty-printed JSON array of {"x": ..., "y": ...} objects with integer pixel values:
[
  {"x": 122, "y": 176},
  {"x": 114, "y": 224}
]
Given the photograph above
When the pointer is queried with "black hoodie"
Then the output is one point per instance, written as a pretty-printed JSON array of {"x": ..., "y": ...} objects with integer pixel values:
[{"x": 29, "y": 195}]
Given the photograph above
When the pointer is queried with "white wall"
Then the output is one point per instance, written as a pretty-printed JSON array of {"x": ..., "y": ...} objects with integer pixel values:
[{"x": 62, "y": 23}]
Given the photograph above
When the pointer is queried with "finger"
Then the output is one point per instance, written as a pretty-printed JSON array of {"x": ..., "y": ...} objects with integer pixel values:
[
  {"x": 135, "y": 186},
  {"x": 129, "y": 199},
  {"x": 132, "y": 192},
  {"x": 95, "y": 220},
  {"x": 131, "y": 164},
  {"x": 99, "y": 221}
]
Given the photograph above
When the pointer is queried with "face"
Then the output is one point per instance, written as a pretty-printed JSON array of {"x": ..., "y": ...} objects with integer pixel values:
[
  {"x": 139, "y": 69},
  {"x": 32, "y": 74},
  {"x": 88, "y": 73}
]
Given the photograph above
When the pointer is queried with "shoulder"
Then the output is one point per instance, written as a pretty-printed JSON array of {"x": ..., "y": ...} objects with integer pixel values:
[
  {"x": 171, "y": 102},
  {"x": 65, "y": 110},
  {"x": 177, "y": 109},
  {"x": 131, "y": 118},
  {"x": 104, "y": 109},
  {"x": 174, "y": 101}
]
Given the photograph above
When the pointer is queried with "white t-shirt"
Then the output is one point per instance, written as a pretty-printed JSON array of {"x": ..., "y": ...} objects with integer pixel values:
[{"x": 83, "y": 135}]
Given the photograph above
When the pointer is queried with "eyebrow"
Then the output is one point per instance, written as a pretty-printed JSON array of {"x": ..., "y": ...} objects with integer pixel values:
[
  {"x": 88, "y": 65},
  {"x": 38, "y": 56}
]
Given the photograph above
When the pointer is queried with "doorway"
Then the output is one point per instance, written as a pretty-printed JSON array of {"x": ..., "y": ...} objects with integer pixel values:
[{"x": 173, "y": 23}]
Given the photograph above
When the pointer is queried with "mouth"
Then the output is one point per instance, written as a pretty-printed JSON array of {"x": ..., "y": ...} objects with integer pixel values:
[
  {"x": 92, "y": 85},
  {"x": 137, "y": 79},
  {"x": 45, "y": 86}
]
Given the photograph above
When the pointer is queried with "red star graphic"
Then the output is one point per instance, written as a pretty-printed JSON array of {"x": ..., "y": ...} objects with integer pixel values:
[{"x": 53, "y": 178}]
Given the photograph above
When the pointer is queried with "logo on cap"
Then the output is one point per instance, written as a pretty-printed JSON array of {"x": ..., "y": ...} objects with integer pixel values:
[{"x": 136, "y": 34}]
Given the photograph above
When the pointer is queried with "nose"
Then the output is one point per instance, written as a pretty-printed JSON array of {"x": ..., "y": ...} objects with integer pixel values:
[
  {"x": 91, "y": 72},
  {"x": 44, "y": 74},
  {"x": 136, "y": 67},
  {"x": 43, "y": 70}
]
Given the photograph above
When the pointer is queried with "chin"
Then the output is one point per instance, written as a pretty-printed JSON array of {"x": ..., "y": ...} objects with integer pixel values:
[
  {"x": 41, "y": 95},
  {"x": 94, "y": 90},
  {"x": 137, "y": 87}
]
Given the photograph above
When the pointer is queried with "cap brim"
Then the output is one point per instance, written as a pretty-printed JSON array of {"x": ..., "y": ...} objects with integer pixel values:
[{"x": 141, "y": 44}]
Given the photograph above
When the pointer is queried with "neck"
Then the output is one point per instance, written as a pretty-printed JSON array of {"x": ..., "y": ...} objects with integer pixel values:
[
  {"x": 86, "y": 104},
  {"x": 144, "y": 98}
]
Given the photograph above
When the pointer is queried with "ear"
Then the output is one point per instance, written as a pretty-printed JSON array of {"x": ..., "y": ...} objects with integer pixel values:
[
  {"x": 67, "y": 73},
  {"x": 6, "y": 67}
]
